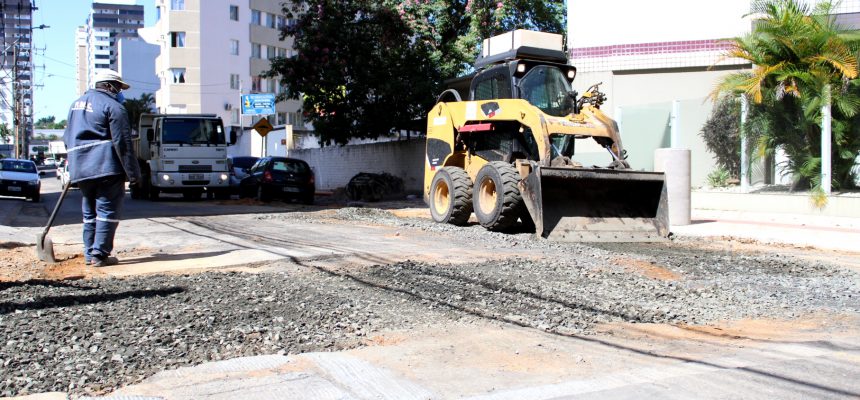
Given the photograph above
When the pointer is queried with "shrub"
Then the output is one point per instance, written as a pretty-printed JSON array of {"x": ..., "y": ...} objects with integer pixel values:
[
  {"x": 721, "y": 134},
  {"x": 719, "y": 178}
]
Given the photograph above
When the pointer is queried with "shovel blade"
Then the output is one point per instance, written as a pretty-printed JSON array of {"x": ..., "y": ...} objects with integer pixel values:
[{"x": 45, "y": 249}]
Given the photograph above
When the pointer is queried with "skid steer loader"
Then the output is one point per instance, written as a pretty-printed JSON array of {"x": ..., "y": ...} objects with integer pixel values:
[{"x": 510, "y": 152}]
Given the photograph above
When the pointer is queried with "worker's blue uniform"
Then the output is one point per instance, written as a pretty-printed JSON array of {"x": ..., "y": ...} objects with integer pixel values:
[{"x": 101, "y": 158}]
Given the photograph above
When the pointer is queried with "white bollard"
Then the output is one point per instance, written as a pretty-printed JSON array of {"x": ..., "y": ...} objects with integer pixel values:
[{"x": 675, "y": 163}]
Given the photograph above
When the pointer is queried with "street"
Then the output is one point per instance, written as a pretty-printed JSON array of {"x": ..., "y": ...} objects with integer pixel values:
[{"x": 433, "y": 311}]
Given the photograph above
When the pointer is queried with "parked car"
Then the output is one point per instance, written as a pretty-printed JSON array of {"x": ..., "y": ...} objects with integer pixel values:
[
  {"x": 63, "y": 173},
  {"x": 239, "y": 170},
  {"x": 279, "y": 177},
  {"x": 20, "y": 178}
]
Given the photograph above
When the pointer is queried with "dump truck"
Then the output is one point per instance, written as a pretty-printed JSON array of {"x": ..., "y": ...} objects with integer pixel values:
[
  {"x": 182, "y": 153},
  {"x": 510, "y": 151}
]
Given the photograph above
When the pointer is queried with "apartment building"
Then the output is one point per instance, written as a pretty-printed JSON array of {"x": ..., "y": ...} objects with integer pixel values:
[
  {"x": 214, "y": 51},
  {"x": 16, "y": 70},
  {"x": 107, "y": 24},
  {"x": 81, "y": 60}
]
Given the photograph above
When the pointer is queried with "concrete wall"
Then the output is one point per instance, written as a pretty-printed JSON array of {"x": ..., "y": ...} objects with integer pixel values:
[
  {"x": 335, "y": 166},
  {"x": 137, "y": 67}
]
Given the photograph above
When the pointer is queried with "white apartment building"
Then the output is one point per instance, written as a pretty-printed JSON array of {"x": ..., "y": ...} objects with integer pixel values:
[
  {"x": 215, "y": 50},
  {"x": 108, "y": 23},
  {"x": 81, "y": 60},
  {"x": 136, "y": 63}
]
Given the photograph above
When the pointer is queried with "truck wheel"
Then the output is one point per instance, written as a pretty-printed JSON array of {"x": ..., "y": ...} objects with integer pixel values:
[
  {"x": 136, "y": 191},
  {"x": 451, "y": 196},
  {"x": 496, "y": 198},
  {"x": 153, "y": 193}
]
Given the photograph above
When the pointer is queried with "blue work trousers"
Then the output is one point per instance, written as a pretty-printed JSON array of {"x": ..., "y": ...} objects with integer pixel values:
[{"x": 101, "y": 205}]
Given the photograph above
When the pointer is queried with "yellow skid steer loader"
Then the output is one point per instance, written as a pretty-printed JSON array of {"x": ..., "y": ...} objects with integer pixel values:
[{"x": 509, "y": 153}]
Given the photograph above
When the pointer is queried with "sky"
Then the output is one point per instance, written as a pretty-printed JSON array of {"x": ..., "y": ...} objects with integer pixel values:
[{"x": 58, "y": 58}]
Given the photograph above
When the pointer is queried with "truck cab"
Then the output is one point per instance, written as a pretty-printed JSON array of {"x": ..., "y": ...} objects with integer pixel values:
[{"x": 182, "y": 153}]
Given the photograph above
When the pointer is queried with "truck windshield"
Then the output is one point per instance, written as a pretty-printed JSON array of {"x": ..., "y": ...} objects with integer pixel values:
[
  {"x": 192, "y": 131},
  {"x": 546, "y": 88}
]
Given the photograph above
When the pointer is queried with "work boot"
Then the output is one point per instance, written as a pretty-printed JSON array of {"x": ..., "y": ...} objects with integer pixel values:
[{"x": 104, "y": 261}]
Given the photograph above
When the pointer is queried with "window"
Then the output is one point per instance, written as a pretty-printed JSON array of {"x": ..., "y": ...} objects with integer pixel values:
[
  {"x": 270, "y": 52},
  {"x": 234, "y": 116},
  {"x": 234, "y": 47},
  {"x": 234, "y": 13},
  {"x": 234, "y": 81},
  {"x": 270, "y": 20},
  {"x": 157, "y": 13},
  {"x": 177, "y": 4},
  {"x": 270, "y": 85},
  {"x": 493, "y": 87},
  {"x": 544, "y": 87},
  {"x": 282, "y": 53},
  {"x": 255, "y": 50},
  {"x": 282, "y": 118},
  {"x": 177, "y": 39},
  {"x": 255, "y": 17},
  {"x": 178, "y": 75},
  {"x": 255, "y": 84},
  {"x": 282, "y": 22}
]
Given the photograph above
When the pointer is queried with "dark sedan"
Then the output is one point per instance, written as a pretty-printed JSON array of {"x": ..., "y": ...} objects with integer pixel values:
[{"x": 279, "y": 178}]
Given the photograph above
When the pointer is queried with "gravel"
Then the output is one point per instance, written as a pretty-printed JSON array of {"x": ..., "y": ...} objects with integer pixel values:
[{"x": 89, "y": 337}]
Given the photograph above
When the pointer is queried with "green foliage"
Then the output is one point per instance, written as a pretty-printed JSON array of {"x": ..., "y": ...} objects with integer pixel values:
[
  {"x": 5, "y": 133},
  {"x": 139, "y": 106},
  {"x": 719, "y": 178},
  {"x": 365, "y": 68},
  {"x": 721, "y": 134},
  {"x": 49, "y": 123},
  {"x": 802, "y": 60}
]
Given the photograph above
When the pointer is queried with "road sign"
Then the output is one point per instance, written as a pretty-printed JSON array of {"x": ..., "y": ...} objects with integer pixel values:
[
  {"x": 263, "y": 127},
  {"x": 258, "y": 104}
]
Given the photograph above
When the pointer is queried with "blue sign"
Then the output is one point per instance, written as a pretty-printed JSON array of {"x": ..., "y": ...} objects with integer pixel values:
[{"x": 258, "y": 104}]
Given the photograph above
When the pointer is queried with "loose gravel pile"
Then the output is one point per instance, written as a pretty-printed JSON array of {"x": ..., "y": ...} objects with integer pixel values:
[{"x": 93, "y": 336}]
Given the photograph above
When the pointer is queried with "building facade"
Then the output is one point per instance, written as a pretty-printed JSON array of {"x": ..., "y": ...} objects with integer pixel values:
[
  {"x": 136, "y": 63},
  {"x": 209, "y": 76},
  {"x": 665, "y": 55},
  {"x": 81, "y": 61},
  {"x": 16, "y": 76},
  {"x": 108, "y": 23}
]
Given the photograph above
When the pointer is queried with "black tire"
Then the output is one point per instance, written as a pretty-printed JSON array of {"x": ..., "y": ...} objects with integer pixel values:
[
  {"x": 222, "y": 194},
  {"x": 263, "y": 195},
  {"x": 451, "y": 196},
  {"x": 308, "y": 199},
  {"x": 153, "y": 193},
  {"x": 136, "y": 191},
  {"x": 36, "y": 197},
  {"x": 496, "y": 198}
]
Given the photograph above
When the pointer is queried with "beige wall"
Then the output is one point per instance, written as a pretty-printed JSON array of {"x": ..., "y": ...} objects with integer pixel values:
[{"x": 644, "y": 100}]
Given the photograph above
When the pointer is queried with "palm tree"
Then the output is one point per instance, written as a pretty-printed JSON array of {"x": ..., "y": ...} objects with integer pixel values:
[
  {"x": 136, "y": 107},
  {"x": 803, "y": 63}
]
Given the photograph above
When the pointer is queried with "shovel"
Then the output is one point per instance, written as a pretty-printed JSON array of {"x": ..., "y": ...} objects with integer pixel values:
[{"x": 44, "y": 245}]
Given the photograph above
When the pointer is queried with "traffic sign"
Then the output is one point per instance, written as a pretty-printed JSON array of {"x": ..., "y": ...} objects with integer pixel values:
[
  {"x": 258, "y": 104},
  {"x": 263, "y": 127}
]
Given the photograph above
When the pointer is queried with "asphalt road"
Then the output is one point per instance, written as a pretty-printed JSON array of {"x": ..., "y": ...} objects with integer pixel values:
[{"x": 413, "y": 307}]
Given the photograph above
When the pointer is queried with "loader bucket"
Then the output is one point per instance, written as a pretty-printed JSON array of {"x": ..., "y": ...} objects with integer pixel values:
[{"x": 597, "y": 205}]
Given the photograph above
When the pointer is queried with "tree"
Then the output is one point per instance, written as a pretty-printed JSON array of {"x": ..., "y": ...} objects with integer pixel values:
[
  {"x": 5, "y": 133},
  {"x": 721, "y": 134},
  {"x": 365, "y": 68},
  {"x": 139, "y": 106},
  {"x": 455, "y": 28},
  {"x": 802, "y": 60},
  {"x": 49, "y": 123}
]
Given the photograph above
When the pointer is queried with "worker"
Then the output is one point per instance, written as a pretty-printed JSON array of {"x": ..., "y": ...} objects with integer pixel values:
[{"x": 101, "y": 159}]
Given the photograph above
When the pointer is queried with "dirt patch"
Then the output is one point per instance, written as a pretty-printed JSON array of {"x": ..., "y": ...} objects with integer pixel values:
[
  {"x": 646, "y": 268},
  {"x": 18, "y": 262}
]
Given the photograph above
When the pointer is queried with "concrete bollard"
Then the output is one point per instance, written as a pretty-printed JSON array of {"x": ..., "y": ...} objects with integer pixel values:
[{"x": 676, "y": 164}]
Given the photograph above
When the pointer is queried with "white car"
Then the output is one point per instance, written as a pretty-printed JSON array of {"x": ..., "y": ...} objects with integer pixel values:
[
  {"x": 63, "y": 173},
  {"x": 20, "y": 178}
]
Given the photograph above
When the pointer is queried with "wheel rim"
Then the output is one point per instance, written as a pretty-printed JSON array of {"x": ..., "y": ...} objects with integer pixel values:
[
  {"x": 441, "y": 197},
  {"x": 487, "y": 196}
]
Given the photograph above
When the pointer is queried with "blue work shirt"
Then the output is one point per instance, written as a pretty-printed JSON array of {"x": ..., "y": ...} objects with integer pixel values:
[{"x": 98, "y": 138}]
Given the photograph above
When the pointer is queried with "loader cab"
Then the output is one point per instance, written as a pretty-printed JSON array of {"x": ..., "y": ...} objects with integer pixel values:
[{"x": 545, "y": 85}]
